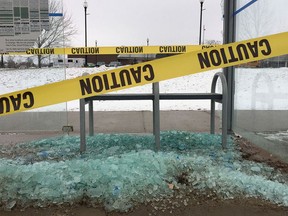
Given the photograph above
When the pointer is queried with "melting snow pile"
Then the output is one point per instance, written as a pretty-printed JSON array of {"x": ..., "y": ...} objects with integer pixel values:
[{"x": 120, "y": 170}]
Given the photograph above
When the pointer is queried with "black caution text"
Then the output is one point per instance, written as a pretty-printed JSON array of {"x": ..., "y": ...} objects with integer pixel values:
[
  {"x": 124, "y": 50},
  {"x": 85, "y": 50},
  {"x": 43, "y": 51},
  {"x": 113, "y": 80},
  {"x": 172, "y": 49},
  {"x": 244, "y": 51},
  {"x": 13, "y": 103}
]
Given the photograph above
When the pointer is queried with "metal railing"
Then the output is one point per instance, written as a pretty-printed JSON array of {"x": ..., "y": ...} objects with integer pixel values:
[{"x": 155, "y": 96}]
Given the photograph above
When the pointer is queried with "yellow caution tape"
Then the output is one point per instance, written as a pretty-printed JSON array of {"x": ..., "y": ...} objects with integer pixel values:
[
  {"x": 174, "y": 49},
  {"x": 144, "y": 73}
]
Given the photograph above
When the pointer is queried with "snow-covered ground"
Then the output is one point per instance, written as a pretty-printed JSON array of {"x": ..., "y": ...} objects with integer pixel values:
[{"x": 260, "y": 89}]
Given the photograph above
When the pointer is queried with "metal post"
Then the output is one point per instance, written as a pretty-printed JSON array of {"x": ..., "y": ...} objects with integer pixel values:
[
  {"x": 212, "y": 117},
  {"x": 83, "y": 122},
  {"x": 229, "y": 37},
  {"x": 82, "y": 126},
  {"x": 156, "y": 115},
  {"x": 2, "y": 61},
  {"x": 224, "y": 107},
  {"x": 201, "y": 10},
  {"x": 85, "y": 4},
  {"x": 91, "y": 118}
]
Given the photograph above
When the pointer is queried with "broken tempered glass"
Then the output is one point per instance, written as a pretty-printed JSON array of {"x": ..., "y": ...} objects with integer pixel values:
[{"x": 119, "y": 170}]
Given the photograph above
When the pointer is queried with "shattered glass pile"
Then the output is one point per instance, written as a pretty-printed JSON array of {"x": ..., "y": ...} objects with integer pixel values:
[{"x": 119, "y": 170}]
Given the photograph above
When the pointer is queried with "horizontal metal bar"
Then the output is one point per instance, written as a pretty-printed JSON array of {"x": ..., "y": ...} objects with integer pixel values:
[
  {"x": 190, "y": 96},
  {"x": 121, "y": 97},
  {"x": 163, "y": 96}
]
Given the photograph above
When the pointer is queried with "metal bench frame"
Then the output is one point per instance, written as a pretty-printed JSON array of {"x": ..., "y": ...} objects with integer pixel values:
[{"x": 155, "y": 96}]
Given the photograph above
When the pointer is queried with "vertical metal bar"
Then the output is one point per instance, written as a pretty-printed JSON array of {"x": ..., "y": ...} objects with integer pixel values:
[
  {"x": 91, "y": 118},
  {"x": 224, "y": 110},
  {"x": 2, "y": 60},
  {"x": 156, "y": 115},
  {"x": 212, "y": 117},
  {"x": 229, "y": 28},
  {"x": 85, "y": 11},
  {"x": 82, "y": 126},
  {"x": 201, "y": 12},
  {"x": 224, "y": 107},
  {"x": 224, "y": 119},
  {"x": 83, "y": 122}
]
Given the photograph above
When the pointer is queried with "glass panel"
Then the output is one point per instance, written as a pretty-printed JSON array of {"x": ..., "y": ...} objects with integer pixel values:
[{"x": 261, "y": 92}]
